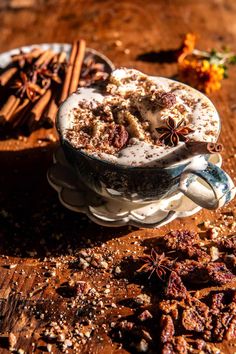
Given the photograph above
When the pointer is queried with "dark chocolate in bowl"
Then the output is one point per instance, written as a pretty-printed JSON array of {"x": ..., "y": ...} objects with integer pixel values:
[{"x": 136, "y": 184}]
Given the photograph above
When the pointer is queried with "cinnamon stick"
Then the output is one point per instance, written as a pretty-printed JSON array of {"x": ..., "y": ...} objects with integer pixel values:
[
  {"x": 34, "y": 53},
  {"x": 59, "y": 58},
  {"x": 7, "y": 75},
  {"x": 62, "y": 57},
  {"x": 44, "y": 58},
  {"x": 66, "y": 84},
  {"x": 7, "y": 107},
  {"x": 51, "y": 112},
  {"x": 17, "y": 117},
  {"x": 203, "y": 147},
  {"x": 13, "y": 108},
  {"x": 77, "y": 66},
  {"x": 37, "y": 110}
]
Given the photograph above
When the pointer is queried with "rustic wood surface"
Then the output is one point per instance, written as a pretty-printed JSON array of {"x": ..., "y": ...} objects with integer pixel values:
[{"x": 37, "y": 234}]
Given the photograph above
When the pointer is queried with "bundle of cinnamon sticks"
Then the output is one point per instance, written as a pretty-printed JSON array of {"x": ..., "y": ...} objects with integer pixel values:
[
  {"x": 34, "y": 84},
  {"x": 27, "y": 85}
]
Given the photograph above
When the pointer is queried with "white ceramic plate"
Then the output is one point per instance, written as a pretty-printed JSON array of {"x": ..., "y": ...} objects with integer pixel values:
[{"x": 74, "y": 195}]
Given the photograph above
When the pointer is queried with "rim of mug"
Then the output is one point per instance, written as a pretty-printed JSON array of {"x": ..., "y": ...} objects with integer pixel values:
[{"x": 123, "y": 166}]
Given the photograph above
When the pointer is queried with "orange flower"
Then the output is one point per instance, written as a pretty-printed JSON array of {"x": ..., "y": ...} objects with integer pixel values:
[
  {"x": 203, "y": 69},
  {"x": 187, "y": 47},
  {"x": 201, "y": 74}
]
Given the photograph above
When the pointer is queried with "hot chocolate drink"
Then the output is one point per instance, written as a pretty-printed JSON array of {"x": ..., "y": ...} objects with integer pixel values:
[{"x": 138, "y": 120}]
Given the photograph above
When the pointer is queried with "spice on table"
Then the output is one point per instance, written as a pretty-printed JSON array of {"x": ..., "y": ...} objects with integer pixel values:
[
  {"x": 208, "y": 315},
  {"x": 157, "y": 263},
  {"x": 202, "y": 69}
]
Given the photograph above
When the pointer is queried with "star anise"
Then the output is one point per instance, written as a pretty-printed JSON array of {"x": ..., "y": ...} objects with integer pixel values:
[
  {"x": 92, "y": 72},
  {"x": 173, "y": 132},
  {"x": 46, "y": 74},
  {"x": 24, "y": 86},
  {"x": 158, "y": 263}
]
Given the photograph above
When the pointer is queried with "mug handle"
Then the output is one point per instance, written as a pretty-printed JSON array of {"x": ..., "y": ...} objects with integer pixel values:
[{"x": 209, "y": 187}]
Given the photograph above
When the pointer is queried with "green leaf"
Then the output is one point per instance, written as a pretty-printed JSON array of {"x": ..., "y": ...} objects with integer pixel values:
[
  {"x": 232, "y": 60},
  {"x": 215, "y": 57},
  {"x": 226, "y": 49},
  {"x": 225, "y": 75},
  {"x": 213, "y": 52}
]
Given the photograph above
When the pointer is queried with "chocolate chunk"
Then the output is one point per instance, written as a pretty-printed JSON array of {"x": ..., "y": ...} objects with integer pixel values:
[
  {"x": 181, "y": 239},
  {"x": 192, "y": 321},
  {"x": 200, "y": 344},
  {"x": 167, "y": 328},
  {"x": 168, "y": 348},
  {"x": 181, "y": 346},
  {"x": 192, "y": 271},
  {"x": 220, "y": 324},
  {"x": 170, "y": 307},
  {"x": 219, "y": 273},
  {"x": 196, "y": 252},
  {"x": 177, "y": 346},
  {"x": 175, "y": 288},
  {"x": 73, "y": 289},
  {"x": 196, "y": 316},
  {"x": 217, "y": 303},
  {"x": 231, "y": 331},
  {"x": 187, "y": 242},
  {"x": 229, "y": 244}
]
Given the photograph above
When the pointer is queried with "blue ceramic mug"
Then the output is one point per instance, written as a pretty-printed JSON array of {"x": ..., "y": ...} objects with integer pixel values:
[{"x": 201, "y": 181}]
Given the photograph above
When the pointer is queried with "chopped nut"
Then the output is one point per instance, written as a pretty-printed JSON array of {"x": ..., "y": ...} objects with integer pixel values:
[
  {"x": 117, "y": 270},
  {"x": 11, "y": 266},
  {"x": 142, "y": 299},
  {"x": 145, "y": 315},
  {"x": 104, "y": 264},
  {"x": 61, "y": 337},
  {"x": 49, "y": 347},
  {"x": 214, "y": 251},
  {"x": 83, "y": 263},
  {"x": 142, "y": 346},
  {"x": 20, "y": 351},
  {"x": 68, "y": 343}
]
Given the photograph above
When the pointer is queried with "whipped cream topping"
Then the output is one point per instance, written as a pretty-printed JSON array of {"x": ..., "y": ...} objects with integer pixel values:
[{"x": 136, "y": 96}]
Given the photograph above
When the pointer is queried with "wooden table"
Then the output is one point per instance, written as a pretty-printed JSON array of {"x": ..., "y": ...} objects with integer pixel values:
[{"x": 40, "y": 239}]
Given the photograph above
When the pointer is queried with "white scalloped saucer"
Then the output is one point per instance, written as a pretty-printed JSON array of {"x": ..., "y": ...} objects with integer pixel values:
[{"x": 74, "y": 195}]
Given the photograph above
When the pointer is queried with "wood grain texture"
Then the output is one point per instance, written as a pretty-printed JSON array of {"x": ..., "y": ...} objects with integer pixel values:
[{"x": 36, "y": 232}]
